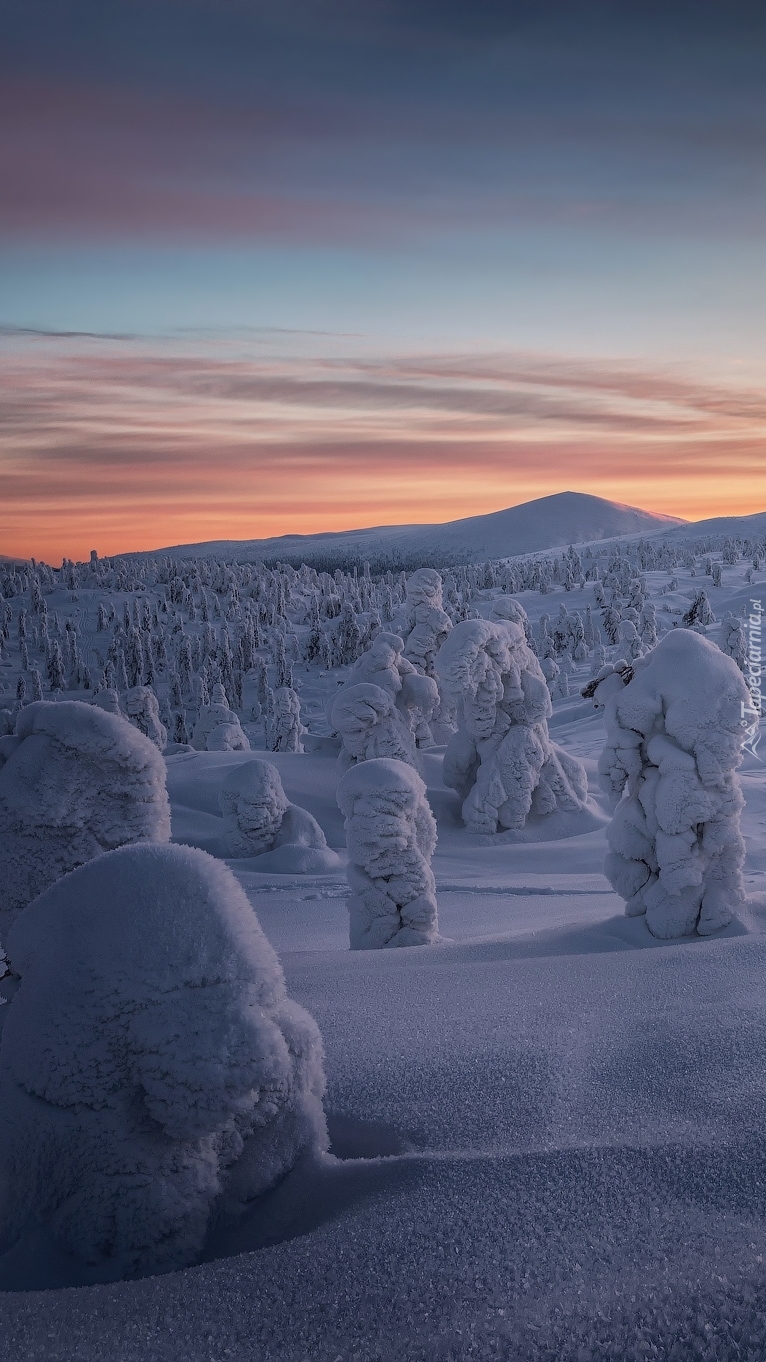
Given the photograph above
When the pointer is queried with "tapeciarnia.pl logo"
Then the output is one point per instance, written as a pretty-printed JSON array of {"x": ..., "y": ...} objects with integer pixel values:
[{"x": 751, "y": 713}]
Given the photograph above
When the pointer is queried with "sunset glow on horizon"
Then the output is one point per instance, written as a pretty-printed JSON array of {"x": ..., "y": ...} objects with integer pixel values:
[{"x": 267, "y": 274}]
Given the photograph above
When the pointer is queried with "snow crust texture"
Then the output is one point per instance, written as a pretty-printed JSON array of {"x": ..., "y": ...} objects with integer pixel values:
[
  {"x": 75, "y": 781},
  {"x": 674, "y": 737},
  {"x": 501, "y": 760},
  {"x": 391, "y": 837},
  {"x": 153, "y": 1072}
]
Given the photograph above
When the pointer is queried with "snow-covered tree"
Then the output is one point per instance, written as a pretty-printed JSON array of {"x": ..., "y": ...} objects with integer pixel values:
[
  {"x": 733, "y": 639},
  {"x": 674, "y": 733},
  {"x": 158, "y": 1079},
  {"x": 75, "y": 781},
  {"x": 427, "y": 625},
  {"x": 391, "y": 836},
  {"x": 218, "y": 730},
  {"x": 286, "y": 729},
  {"x": 143, "y": 710},
  {"x": 501, "y": 760},
  {"x": 700, "y": 612},
  {"x": 258, "y": 815},
  {"x": 371, "y": 724}
]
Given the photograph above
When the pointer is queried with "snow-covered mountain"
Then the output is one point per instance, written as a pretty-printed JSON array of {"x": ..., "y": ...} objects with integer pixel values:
[{"x": 546, "y": 523}]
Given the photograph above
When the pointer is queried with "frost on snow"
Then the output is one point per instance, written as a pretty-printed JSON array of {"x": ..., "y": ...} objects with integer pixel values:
[
  {"x": 391, "y": 836},
  {"x": 674, "y": 734},
  {"x": 258, "y": 817},
  {"x": 152, "y": 1071},
  {"x": 74, "y": 781},
  {"x": 501, "y": 760}
]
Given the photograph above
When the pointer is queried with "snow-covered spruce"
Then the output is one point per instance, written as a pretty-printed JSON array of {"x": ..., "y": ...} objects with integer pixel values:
[
  {"x": 427, "y": 625},
  {"x": 391, "y": 836},
  {"x": 501, "y": 760},
  {"x": 286, "y": 729},
  {"x": 258, "y": 816},
  {"x": 371, "y": 725},
  {"x": 152, "y": 1071},
  {"x": 674, "y": 734},
  {"x": 143, "y": 710},
  {"x": 75, "y": 781},
  {"x": 218, "y": 730}
]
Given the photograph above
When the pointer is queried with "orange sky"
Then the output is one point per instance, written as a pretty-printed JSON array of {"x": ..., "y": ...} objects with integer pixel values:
[{"x": 133, "y": 448}]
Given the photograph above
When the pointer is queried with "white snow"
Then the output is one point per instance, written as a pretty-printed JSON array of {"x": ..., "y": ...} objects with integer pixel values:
[
  {"x": 546, "y": 1127},
  {"x": 391, "y": 835},
  {"x": 74, "y": 781},
  {"x": 153, "y": 1071}
]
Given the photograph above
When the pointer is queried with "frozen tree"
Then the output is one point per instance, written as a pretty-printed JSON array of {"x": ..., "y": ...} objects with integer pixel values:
[
  {"x": 75, "y": 781},
  {"x": 427, "y": 625},
  {"x": 733, "y": 639},
  {"x": 258, "y": 817},
  {"x": 700, "y": 612},
  {"x": 648, "y": 624},
  {"x": 348, "y": 637},
  {"x": 163, "y": 1077},
  {"x": 143, "y": 710},
  {"x": 674, "y": 732},
  {"x": 391, "y": 836},
  {"x": 630, "y": 643},
  {"x": 371, "y": 725},
  {"x": 286, "y": 729},
  {"x": 501, "y": 760},
  {"x": 218, "y": 729},
  {"x": 109, "y": 700}
]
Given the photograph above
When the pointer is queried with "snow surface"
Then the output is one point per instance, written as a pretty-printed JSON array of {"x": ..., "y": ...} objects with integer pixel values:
[
  {"x": 545, "y": 523},
  {"x": 546, "y": 1129}
]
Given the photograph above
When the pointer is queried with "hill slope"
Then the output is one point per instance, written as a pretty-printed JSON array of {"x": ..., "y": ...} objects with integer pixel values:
[{"x": 546, "y": 523}]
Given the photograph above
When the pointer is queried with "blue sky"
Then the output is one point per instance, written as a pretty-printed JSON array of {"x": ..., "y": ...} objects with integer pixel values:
[{"x": 339, "y": 184}]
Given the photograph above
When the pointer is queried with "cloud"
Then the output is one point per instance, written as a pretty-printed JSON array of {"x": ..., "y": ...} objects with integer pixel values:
[{"x": 133, "y": 444}]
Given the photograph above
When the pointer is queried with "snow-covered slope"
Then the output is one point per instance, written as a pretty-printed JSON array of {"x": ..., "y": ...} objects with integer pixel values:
[{"x": 546, "y": 523}]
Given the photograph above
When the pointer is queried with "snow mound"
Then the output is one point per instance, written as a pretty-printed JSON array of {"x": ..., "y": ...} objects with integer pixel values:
[
  {"x": 153, "y": 1071},
  {"x": 75, "y": 781}
]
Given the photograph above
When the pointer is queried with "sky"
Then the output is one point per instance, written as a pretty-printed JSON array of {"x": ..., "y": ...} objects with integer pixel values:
[{"x": 274, "y": 268}]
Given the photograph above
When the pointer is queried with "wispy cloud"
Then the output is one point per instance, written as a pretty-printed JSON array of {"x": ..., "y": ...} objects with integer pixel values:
[{"x": 133, "y": 444}]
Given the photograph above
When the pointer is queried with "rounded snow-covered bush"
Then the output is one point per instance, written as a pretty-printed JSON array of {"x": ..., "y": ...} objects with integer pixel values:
[
  {"x": 674, "y": 732},
  {"x": 218, "y": 730},
  {"x": 143, "y": 710},
  {"x": 501, "y": 760},
  {"x": 259, "y": 818},
  {"x": 153, "y": 1071},
  {"x": 391, "y": 836},
  {"x": 75, "y": 781}
]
